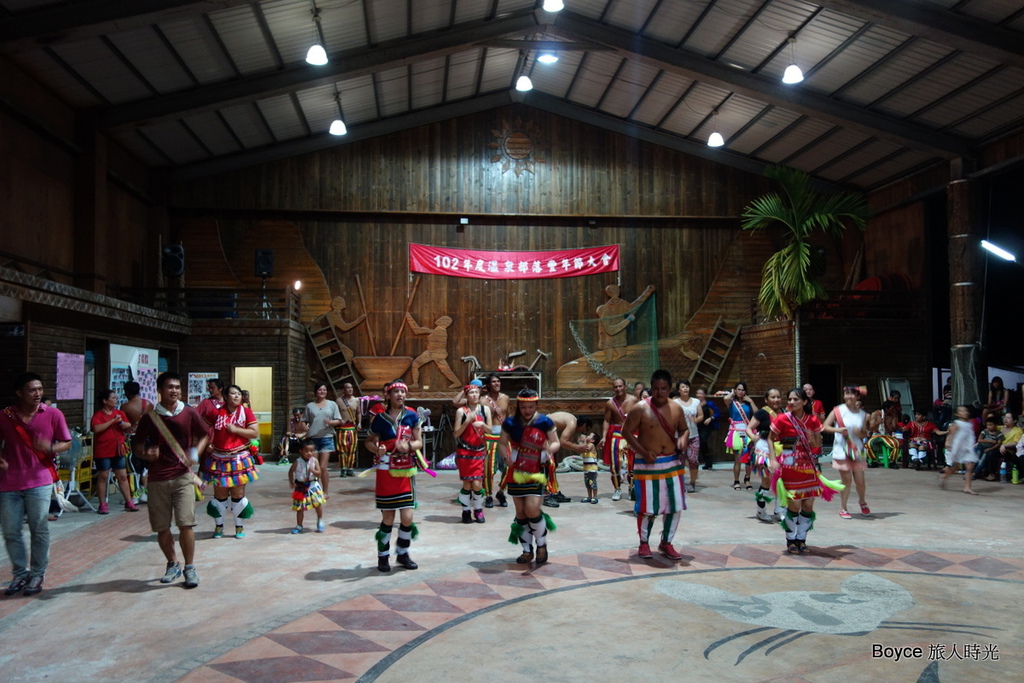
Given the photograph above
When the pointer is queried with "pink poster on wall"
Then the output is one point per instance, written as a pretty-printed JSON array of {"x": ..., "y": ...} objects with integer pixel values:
[{"x": 70, "y": 376}]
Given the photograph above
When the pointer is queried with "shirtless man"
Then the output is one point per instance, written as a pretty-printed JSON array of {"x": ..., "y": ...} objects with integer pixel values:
[
  {"x": 348, "y": 404},
  {"x": 135, "y": 407},
  {"x": 567, "y": 426},
  {"x": 656, "y": 431},
  {"x": 613, "y": 447}
]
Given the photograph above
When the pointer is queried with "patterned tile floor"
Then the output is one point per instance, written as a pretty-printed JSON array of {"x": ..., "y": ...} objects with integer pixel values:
[{"x": 277, "y": 607}]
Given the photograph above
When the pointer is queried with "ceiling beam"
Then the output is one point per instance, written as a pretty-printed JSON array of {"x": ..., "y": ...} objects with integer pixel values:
[
  {"x": 796, "y": 99},
  {"x": 322, "y": 141},
  {"x": 344, "y": 65},
  {"x": 62, "y": 23},
  {"x": 929, "y": 21}
]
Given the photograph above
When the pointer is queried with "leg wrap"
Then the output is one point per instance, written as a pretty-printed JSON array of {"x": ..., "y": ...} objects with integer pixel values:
[
  {"x": 216, "y": 509},
  {"x": 404, "y": 539},
  {"x": 464, "y": 498},
  {"x": 383, "y": 537},
  {"x": 762, "y": 496},
  {"x": 522, "y": 533},
  {"x": 644, "y": 525},
  {"x": 241, "y": 509},
  {"x": 804, "y": 523},
  {"x": 476, "y": 500},
  {"x": 540, "y": 531},
  {"x": 789, "y": 524},
  {"x": 669, "y": 526}
]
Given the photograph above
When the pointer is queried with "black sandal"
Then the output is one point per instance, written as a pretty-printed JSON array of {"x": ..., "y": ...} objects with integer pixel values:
[
  {"x": 736, "y": 485},
  {"x": 746, "y": 482}
]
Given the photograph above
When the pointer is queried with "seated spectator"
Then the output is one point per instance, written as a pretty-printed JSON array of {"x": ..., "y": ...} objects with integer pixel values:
[
  {"x": 919, "y": 434},
  {"x": 988, "y": 443},
  {"x": 1011, "y": 438}
]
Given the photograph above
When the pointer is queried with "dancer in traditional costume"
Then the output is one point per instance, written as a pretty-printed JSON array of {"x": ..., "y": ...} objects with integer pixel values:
[
  {"x": 757, "y": 431},
  {"x": 794, "y": 471},
  {"x": 348, "y": 436},
  {"x": 920, "y": 433},
  {"x": 657, "y": 432},
  {"x": 528, "y": 441},
  {"x": 851, "y": 426},
  {"x": 304, "y": 478},
  {"x": 741, "y": 408},
  {"x": 614, "y": 448},
  {"x": 395, "y": 439},
  {"x": 471, "y": 421},
  {"x": 230, "y": 463},
  {"x": 694, "y": 415}
]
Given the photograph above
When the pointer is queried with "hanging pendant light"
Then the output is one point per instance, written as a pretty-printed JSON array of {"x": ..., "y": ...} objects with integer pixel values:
[
  {"x": 715, "y": 139},
  {"x": 338, "y": 126},
  {"x": 316, "y": 55},
  {"x": 793, "y": 74},
  {"x": 524, "y": 84},
  {"x": 547, "y": 57},
  {"x": 553, "y": 5}
]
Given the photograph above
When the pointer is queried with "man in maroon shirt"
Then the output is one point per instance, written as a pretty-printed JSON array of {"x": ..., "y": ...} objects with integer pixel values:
[{"x": 170, "y": 439}]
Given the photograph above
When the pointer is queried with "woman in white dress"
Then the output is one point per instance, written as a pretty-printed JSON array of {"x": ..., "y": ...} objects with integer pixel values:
[{"x": 850, "y": 424}]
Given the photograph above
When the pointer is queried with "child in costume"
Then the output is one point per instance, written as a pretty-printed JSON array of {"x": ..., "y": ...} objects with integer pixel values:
[
  {"x": 960, "y": 449},
  {"x": 586, "y": 437},
  {"x": 304, "y": 478}
]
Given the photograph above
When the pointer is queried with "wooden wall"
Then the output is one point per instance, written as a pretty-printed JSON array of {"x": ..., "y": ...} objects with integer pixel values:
[{"x": 766, "y": 357}]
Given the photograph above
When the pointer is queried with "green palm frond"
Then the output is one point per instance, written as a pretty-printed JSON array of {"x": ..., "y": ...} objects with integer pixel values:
[{"x": 786, "y": 282}]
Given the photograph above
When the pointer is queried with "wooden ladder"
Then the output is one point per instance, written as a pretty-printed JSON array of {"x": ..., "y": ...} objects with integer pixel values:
[
  {"x": 333, "y": 362},
  {"x": 715, "y": 353}
]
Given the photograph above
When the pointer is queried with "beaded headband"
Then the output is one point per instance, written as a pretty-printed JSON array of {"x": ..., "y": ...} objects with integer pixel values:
[
  {"x": 395, "y": 385},
  {"x": 527, "y": 399}
]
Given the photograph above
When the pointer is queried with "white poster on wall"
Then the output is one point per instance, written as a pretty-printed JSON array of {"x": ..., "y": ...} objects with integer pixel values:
[
  {"x": 143, "y": 364},
  {"x": 197, "y": 386}
]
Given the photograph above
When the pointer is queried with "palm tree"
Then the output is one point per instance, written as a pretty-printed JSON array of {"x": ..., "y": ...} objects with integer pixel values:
[{"x": 787, "y": 279}]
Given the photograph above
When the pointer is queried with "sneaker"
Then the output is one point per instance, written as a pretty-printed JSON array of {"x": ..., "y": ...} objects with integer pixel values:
[
  {"x": 129, "y": 506},
  {"x": 218, "y": 531},
  {"x": 143, "y": 496},
  {"x": 104, "y": 510},
  {"x": 297, "y": 530},
  {"x": 561, "y": 497},
  {"x": 668, "y": 551},
  {"x": 645, "y": 551},
  {"x": 320, "y": 526},
  {"x": 239, "y": 532},
  {"x": 383, "y": 565},
  {"x": 864, "y": 509},
  {"x": 406, "y": 561},
  {"x": 478, "y": 516},
  {"x": 489, "y": 502},
  {"x": 845, "y": 515},
  {"x": 617, "y": 495},
  {"x": 16, "y": 586},
  {"x": 549, "y": 500},
  {"x": 692, "y": 488},
  {"x": 502, "y": 500},
  {"x": 191, "y": 576},
  {"x": 172, "y": 573},
  {"x": 34, "y": 586},
  {"x": 467, "y": 517}
]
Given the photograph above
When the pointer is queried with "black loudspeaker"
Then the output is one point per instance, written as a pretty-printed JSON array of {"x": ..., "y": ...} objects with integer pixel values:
[
  {"x": 173, "y": 260},
  {"x": 264, "y": 263}
]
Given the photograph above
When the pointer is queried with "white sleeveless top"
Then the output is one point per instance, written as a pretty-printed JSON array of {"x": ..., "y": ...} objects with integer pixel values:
[
  {"x": 690, "y": 413},
  {"x": 854, "y": 422}
]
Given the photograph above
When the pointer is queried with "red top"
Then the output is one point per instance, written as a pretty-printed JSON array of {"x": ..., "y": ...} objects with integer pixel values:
[
  {"x": 223, "y": 440},
  {"x": 785, "y": 430},
  {"x": 186, "y": 428},
  {"x": 921, "y": 431},
  {"x": 108, "y": 443}
]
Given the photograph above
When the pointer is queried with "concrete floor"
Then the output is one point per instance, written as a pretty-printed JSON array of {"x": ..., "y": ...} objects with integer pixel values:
[{"x": 929, "y": 568}]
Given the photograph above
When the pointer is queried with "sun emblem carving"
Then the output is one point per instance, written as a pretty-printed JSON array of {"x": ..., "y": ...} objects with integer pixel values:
[{"x": 515, "y": 145}]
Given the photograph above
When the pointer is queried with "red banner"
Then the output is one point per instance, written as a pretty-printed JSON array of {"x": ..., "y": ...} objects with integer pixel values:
[{"x": 513, "y": 265}]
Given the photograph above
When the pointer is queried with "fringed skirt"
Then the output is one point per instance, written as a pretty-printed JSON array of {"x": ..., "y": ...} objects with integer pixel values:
[
  {"x": 228, "y": 470},
  {"x": 659, "y": 486},
  {"x": 307, "y": 495}
]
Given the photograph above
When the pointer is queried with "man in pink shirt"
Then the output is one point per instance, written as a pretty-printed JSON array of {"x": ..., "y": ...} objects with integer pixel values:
[{"x": 32, "y": 435}]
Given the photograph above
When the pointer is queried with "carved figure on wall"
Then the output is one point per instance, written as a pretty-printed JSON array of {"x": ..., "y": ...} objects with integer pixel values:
[
  {"x": 436, "y": 351},
  {"x": 337, "y": 320},
  {"x": 615, "y": 318}
]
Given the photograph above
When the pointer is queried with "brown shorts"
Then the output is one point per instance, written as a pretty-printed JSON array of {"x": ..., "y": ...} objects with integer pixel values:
[{"x": 174, "y": 496}]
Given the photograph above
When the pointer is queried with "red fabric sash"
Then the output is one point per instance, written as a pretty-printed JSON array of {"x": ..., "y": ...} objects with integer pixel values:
[
  {"x": 661, "y": 418},
  {"x": 44, "y": 459}
]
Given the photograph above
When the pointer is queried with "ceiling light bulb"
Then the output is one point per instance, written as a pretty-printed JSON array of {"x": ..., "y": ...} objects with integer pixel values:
[
  {"x": 547, "y": 58},
  {"x": 524, "y": 84},
  {"x": 998, "y": 251},
  {"x": 715, "y": 140},
  {"x": 317, "y": 55},
  {"x": 792, "y": 75},
  {"x": 553, "y": 5},
  {"x": 338, "y": 127}
]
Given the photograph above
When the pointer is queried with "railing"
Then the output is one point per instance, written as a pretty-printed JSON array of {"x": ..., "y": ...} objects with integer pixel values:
[
  {"x": 864, "y": 304},
  {"x": 219, "y": 302}
]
